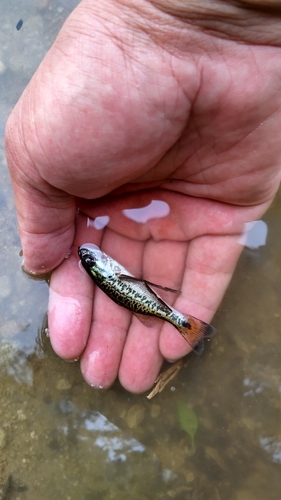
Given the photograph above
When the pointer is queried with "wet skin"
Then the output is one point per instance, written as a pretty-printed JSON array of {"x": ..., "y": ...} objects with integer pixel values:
[{"x": 143, "y": 101}]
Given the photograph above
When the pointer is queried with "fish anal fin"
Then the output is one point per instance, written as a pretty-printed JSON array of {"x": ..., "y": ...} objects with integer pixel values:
[
  {"x": 148, "y": 321},
  {"x": 195, "y": 332}
]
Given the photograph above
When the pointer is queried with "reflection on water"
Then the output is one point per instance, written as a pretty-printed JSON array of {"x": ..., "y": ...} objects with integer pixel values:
[
  {"x": 273, "y": 447},
  {"x": 59, "y": 438},
  {"x": 14, "y": 363}
]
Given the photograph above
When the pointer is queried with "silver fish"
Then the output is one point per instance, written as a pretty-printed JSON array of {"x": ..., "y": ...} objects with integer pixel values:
[{"x": 137, "y": 296}]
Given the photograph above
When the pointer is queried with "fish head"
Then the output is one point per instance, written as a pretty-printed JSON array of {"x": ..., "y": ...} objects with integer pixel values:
[
  {"x": 96, "y": 262},
  {"x": 89, "y": 255}
]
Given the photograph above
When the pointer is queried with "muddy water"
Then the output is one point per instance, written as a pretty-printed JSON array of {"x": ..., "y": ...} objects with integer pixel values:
[{"x": 214, "y": 433}]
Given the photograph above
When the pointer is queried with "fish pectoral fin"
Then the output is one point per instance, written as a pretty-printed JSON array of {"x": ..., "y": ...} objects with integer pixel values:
[
  {"x": 141, "y": 281},
  {"x": 148, "y": 321},
  {"x": 158, "y": 298},
  {"x": 146, "y": 288}
]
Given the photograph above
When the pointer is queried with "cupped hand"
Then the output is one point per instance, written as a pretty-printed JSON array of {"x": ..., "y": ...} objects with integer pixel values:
[
  {"x": 189, "y": 244},
  {"x": 134, "y": 104}
]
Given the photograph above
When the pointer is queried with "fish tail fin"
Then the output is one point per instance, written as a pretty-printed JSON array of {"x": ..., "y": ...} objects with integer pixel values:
[{"x": 194, "y": 333}]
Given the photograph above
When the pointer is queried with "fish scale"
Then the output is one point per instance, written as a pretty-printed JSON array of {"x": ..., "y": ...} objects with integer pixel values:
[{"x": 126, "y": 295}]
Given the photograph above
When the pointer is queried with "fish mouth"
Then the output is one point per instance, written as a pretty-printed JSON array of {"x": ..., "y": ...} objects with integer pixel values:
[
  {"x": 86, "y": 257},
  {"x": 83, "y": 252},
  {"x": 88, "y": 250}
]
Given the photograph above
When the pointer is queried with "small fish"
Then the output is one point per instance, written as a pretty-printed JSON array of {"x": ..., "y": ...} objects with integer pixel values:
[
  {"x": 19, "y": 24},
  {"x": 137, "y": 296}
]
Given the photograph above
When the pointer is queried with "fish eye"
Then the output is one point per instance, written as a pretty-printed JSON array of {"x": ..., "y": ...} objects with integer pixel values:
[{"x": 90, "y": 260}]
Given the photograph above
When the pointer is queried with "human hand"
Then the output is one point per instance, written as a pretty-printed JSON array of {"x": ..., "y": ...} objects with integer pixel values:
[{"x": 123, "y": 106}]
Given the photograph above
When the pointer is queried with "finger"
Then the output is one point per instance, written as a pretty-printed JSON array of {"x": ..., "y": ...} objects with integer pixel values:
[
  {"x": 210, "y": 263},
  {"x": 70, "y": 309},
  {"x": 71, "y": 298},
  {"x": 46, "y": 230},
  {"x": 46, "y": 215},
  {"x": 141, "y": 360},
  {"x": 110, "y": 322},
  {"x": 101, "y": 358}
]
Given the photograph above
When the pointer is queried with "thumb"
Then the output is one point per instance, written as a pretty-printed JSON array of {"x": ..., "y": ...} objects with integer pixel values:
[{"x": 46, "y": 215}]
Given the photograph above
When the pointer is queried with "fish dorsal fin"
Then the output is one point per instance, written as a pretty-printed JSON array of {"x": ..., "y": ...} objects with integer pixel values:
[{"x": 145, "y": 285}]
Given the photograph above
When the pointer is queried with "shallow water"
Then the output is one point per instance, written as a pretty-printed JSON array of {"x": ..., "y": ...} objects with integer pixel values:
[{"x": 59, "y": 438}]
